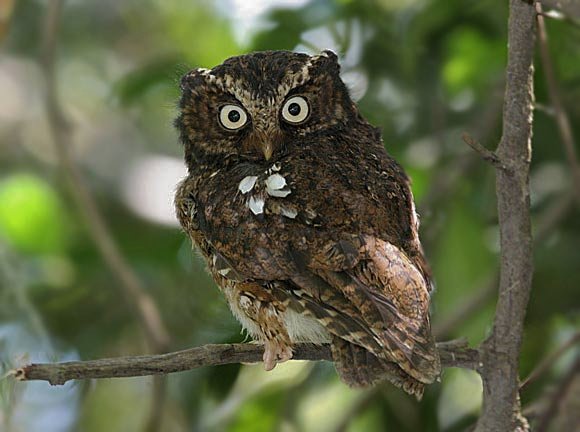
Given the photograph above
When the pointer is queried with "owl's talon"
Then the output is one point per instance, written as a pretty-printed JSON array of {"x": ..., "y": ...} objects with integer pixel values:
[{"x": 275, "y": 353}]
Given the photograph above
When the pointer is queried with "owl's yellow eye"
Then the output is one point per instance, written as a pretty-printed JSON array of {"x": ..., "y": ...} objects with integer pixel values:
[
  {"x": 295, "y": 110},
  {"x": 233, "y": 117}
]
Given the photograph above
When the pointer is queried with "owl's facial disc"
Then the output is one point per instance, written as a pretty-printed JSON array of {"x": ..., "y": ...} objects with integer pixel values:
[
  {"x": 266, "y": 137},
  {"x": 260, "y": 106}
]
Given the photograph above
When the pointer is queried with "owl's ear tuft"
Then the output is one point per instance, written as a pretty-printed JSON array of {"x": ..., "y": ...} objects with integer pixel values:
[
  {"x": 330, "y": 55},
  {"x": 327, "y": 60},
  {"x": 194, "y": 78}
]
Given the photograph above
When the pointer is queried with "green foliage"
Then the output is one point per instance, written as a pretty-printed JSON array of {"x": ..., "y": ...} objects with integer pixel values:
[
  {"x": 32, "y": 217},
  {"x": 472, "y": 59}
]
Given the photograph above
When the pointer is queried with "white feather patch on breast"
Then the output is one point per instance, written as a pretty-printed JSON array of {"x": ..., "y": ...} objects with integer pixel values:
[{"x": 247, "y": 324}]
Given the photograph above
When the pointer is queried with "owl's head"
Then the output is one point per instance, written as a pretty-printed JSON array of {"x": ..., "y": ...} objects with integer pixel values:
[{"x": 257, "y": 106}]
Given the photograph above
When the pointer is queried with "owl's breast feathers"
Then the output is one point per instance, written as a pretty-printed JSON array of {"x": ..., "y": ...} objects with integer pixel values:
[
  {"x": 333, "y": 238},
  {"x": 304, "y": 201}
]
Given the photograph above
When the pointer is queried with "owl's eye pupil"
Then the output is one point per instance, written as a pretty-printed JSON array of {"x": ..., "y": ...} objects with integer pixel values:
[
  {"x": 234, "y": 116},
  {"x": 294, "y": 109}
]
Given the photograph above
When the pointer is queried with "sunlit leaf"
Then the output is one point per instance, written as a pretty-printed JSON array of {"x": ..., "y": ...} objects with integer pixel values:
[
  {"x": 32, "y": 217},
  {"x": 204, "y": 38},
  {"x": 472, "y": 60}
]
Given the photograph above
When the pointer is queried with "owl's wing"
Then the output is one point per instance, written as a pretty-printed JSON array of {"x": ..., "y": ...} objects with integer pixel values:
[{"x": 380, "y": 303}]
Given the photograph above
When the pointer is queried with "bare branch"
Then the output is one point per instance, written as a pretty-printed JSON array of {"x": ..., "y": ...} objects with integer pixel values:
[
  {"x": 501, "y": 404},
  {"x": 560, "y": 393},
  {"x": 562, "y": 119},
  {"x": 453, "y": 354},
  {"x": 549, "y": 361},
  {"x": 486, "y": 154},
  {"x": 562, "y": 10}
]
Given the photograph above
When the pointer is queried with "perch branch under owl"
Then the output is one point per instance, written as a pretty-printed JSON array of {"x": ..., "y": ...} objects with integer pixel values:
[{"x": 454, "y": 353}]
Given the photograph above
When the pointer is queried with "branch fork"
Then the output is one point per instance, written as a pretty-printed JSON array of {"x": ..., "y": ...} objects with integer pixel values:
[{"x": 486, "y": 154}]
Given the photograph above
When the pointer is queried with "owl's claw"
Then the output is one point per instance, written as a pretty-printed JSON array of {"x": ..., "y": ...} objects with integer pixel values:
[{"x": 275, "y": 353}]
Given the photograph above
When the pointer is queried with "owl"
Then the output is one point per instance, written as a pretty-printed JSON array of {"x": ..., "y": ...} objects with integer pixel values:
[{"x": 306, "y": 223}]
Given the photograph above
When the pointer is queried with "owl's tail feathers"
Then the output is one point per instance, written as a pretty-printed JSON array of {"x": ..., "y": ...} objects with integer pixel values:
[{"x": 357, "y": 367}]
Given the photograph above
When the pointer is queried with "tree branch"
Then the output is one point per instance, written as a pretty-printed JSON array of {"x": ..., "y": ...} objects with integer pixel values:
[
  {"x": 486, "y": 154},
  {"x": 559, "y": 394},
  {"x": 501, "y": 404},
  {"x": 549, "y": 361},
  {"x": 453, "y": 354}
]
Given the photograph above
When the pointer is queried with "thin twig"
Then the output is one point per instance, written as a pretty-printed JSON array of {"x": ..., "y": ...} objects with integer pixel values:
[
  {"x": 486, "y": 154},
  {"x": 549, "y": 361},
  {"x": 555, "y": 95},
  {"x": 452, "y": 353},
  {"x": 562, "y": 11},
  {"x": 560, "y": 393},
  {"x": 446, "y": 180}
]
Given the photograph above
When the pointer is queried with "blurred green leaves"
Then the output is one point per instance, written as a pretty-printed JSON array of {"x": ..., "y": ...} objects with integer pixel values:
[
  {"x": 32, "y": 216},
  {"x": 204, "y": 38},
  {"x": 472, "y": 58}
]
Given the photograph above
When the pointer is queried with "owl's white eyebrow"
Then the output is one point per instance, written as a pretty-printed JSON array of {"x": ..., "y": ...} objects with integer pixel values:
[{"x": 203, "y": 71}]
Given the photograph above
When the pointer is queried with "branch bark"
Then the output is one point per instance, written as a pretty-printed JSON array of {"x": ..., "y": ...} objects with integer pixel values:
[
  {"x": 501, "y": 350},
  {"x": 453, "y": 354},
  {"x": 486, "y": 154}
]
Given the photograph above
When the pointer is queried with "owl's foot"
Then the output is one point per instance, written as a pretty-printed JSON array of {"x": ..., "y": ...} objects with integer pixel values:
[
  {"x": 257, "y": 306},
  {"x": 275, "y": 352}
]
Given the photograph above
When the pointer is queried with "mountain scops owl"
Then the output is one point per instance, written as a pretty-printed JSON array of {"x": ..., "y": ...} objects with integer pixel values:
[{"x": 307, "y": 225}]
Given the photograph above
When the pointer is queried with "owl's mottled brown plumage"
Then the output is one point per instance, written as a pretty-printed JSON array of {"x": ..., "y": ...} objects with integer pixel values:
[{"x": 307, "y": 224}]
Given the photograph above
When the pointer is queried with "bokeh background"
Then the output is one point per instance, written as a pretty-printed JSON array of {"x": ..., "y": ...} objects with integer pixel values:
[{"x": 425, "y": 71}]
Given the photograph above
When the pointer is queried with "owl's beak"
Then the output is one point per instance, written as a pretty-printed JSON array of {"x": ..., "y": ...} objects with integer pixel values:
[
  {"x": 267, "y": 149},
  {"x": 260, "y": 143}
]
